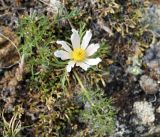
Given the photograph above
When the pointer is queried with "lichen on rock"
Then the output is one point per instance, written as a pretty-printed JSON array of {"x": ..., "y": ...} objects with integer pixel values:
[{"x": 145, "y": 112}]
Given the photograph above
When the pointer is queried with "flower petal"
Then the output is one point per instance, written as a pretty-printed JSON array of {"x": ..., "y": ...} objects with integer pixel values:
[
  {"x": 93, "y": 61},
  {"x": 83, "y": 65},
  {"x": 64, "y": 55},
  {"x": 86, "y": 39},
  {"x": 75, "y": 39},
  {"x": 64, "y": 46},
  {"x": 91, "y": 49},
  {"x": 70, "y": 65}
]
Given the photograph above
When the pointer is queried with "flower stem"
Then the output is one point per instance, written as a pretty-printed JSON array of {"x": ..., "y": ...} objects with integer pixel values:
[{"x": 83, "y": 88}]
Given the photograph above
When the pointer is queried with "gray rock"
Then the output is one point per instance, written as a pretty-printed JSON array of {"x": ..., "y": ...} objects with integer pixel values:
[
  {"x": 158, "y": 110},
  {"x": 148, "y": 85},
  {"x": 152, "y": 17},
  {"x": 140, "y": 129},
  {"x": 153, "y": 132},
  {"x": 145, "y": 112}
]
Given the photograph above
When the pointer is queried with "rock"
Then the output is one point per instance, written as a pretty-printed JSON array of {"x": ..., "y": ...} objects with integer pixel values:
[
  {"x": 13, "y": 82},
  {"x": 151, "y": 17},
  {"x": 120, "y": 130},
  {"x": 8, "y": 52},
  {"x": 152, "y": 56},
  {"x": 9, "y": 56},
  {"x": 144, "y": 111},
  {"x": 158, "y": 110},
  {"x": 140, "y": 129},
  {"x": 9, "y": 80},
  {"x": 149, "y": 85},
  {"x": 155, "y": 1},
  {"x": 154, "y": 65},
  {"x": 153, "y": 132},
  {"x": 2, "y": 40},
  {"x": 54, "y": 6}
]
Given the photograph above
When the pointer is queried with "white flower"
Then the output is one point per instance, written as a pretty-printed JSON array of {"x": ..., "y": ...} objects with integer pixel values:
[{"x": 78, "y": 53}]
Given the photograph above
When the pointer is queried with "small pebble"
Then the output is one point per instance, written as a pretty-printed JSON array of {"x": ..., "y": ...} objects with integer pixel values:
[
  {"x": 148, "y": 85},
  {"x": 158, "y": 110}
]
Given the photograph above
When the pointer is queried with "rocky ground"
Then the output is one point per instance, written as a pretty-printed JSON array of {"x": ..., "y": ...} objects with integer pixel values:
[{"x": 134, "y": 67}]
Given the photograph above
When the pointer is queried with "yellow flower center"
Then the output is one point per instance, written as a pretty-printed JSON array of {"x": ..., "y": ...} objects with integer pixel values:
[{"x": 78, "y": 54}]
